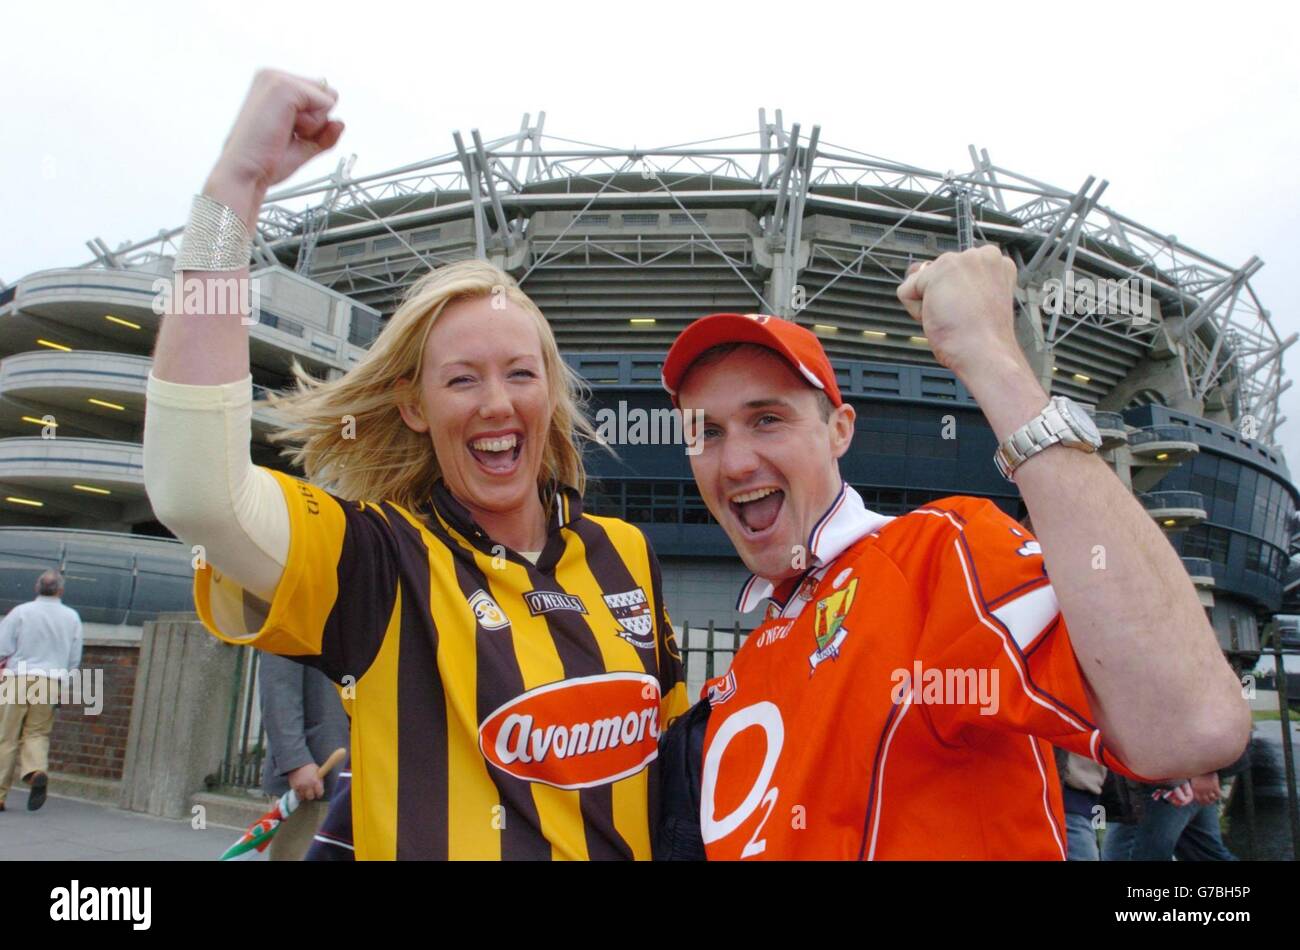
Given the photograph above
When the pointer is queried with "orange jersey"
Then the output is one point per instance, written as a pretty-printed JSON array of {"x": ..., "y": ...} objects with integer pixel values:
[{"x": 900, "y": 702}]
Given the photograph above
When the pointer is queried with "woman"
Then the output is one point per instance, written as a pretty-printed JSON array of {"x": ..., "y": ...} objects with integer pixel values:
[{"x": 507, "y": 660}]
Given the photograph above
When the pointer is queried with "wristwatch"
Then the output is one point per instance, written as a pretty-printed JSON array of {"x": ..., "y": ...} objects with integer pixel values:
[{"x": 1063, "y": 422}]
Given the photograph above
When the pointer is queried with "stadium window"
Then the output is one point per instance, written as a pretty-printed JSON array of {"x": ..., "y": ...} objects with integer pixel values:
[
  {"x": 640, "y": 501},
  {"x": 870, "y": 231},
  {"x": 1218, "y": 545},
  {"x": 1254, "y": 553},
  {"x": 1195, "y": 543},
  {"x": 364, "y": 327},
  {"x": 890, "y": 501}
]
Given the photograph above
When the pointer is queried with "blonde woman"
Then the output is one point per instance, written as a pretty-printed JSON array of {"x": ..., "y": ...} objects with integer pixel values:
[{"x": 508, "y": 660}]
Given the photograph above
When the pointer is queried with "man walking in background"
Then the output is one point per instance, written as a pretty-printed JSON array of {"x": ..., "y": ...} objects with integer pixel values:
[
  {"x": 40, "y": 646},
  {"x": 305, "y": 722}
]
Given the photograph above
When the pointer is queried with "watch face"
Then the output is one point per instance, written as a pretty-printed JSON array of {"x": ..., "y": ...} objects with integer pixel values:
[{"x": 1081, "y": 421}]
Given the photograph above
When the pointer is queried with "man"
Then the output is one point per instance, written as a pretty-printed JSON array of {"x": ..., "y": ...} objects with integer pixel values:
[
  {"x": 898, "y": 698},
  {"x": 304, "y": 722},
  {"x": 40, "y": 644},
  {"x": 1177, "y": 818}
]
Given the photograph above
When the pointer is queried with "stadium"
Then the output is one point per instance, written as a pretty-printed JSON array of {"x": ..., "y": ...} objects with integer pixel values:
[{"x": 621, "y": 248}]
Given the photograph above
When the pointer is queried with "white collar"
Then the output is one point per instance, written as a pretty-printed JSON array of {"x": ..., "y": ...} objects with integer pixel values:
[{"x": 846, "y": 521}]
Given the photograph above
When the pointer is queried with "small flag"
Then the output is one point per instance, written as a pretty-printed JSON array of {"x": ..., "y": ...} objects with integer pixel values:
[{"x": 259, "y": 833}]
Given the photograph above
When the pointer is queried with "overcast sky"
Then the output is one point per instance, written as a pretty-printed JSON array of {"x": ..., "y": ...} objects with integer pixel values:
[{"x": 113, "y": 114}]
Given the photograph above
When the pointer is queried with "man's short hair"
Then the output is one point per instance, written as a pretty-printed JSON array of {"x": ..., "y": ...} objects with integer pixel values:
[
  {"x": 715, "y": 354},
  {"x": 49, "y": 583}
]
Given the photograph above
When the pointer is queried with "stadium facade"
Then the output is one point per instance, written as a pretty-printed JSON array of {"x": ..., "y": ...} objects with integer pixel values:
[{"x": 621, "y": 249}]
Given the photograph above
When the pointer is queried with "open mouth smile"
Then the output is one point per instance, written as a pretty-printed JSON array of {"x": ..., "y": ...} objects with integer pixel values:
[
  {"x": 757, "y": 509},
  {"x": 497, "y": 454}
]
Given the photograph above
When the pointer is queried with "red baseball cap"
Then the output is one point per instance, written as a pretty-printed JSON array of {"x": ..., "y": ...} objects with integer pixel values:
[{"x": 797, "y": 345}]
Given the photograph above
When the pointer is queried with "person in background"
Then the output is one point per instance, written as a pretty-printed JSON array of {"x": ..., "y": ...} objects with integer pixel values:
[
  {"x": 305, "y": 722},
  {"x": 39, "y": 640},
  {"x": 1081, "y": 784},
  {"x": 1177, "y": 817},
  {"x": 1202, "y": 839}
]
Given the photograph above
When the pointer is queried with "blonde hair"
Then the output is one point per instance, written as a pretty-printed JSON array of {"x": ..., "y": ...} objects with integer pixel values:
[{"x": 350, "y": 438}]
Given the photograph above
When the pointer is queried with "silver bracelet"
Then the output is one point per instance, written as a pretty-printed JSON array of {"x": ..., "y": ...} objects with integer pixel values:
[{"x": 215, "y": 238}]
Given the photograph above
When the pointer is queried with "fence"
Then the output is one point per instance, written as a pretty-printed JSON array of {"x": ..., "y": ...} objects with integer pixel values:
[
  {"x": 707, "y": 652},
  {"x": 241, "y": 764}
]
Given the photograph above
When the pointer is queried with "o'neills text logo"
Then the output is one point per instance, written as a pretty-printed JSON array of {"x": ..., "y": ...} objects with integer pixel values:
[
  {"x": 576, "y": 733},
  {"x": 545, "y": 601}
]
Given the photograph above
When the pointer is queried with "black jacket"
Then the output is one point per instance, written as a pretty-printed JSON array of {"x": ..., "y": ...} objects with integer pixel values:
[{"x": 681, "y": 757}]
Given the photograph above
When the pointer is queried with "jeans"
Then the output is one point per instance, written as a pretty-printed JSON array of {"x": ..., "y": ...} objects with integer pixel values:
[
  {"x": 1192, "y": 832},
  {"x": 1081, "y": 838},
  {"x": 1201, "y": 840}
]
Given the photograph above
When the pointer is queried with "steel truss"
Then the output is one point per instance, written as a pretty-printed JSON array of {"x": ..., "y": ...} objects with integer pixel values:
[{"x": 1210, "y": 315}]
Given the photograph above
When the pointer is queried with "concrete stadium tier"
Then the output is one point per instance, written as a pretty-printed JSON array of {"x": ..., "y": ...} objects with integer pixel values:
[{"x": 87, "y": 394}]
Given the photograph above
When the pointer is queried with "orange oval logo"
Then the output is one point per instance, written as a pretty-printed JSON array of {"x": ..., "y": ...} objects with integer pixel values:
[{"x": 576, "y": 733}]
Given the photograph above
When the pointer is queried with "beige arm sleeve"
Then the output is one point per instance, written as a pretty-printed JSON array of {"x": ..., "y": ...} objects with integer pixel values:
[{"x": 203, "y": 485}]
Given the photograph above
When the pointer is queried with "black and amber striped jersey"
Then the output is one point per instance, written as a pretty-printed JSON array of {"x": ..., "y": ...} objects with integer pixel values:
[{"x": 500, "y": 708}]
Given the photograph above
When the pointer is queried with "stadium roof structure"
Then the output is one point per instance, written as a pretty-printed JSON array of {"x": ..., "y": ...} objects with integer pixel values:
[{"x": 824, "y": 233}]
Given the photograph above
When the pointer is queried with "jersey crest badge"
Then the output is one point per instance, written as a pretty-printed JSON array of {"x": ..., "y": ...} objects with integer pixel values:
[
  {"x": 828, "y": 624},
  {"x": 490, "y": 615},
  {"x": 632, "y": 611},
  {"x": 722, "y": 690}
]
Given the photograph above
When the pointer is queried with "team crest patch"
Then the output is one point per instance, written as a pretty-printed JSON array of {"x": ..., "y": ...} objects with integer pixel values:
[
  {"x": 632, "y": 611},
  {"x": 490, "y": 615},
  {"x": 722, "y": 690},
  {"x": 828, "y": 624},
  {"x": 546, "y": 601}
]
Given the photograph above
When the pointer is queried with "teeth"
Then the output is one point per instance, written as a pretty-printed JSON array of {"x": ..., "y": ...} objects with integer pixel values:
[
  {"x": 754, "y": 495},
  {"x": 502, "y": 444}
]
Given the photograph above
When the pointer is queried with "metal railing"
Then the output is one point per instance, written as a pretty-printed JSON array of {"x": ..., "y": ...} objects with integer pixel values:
[
  {"x": 1159, "y": 500},
  {"x": 1112, "y": 421},
  {"x": 241, "y": 765},
  {"x": 1161, "y": 434},
  {"x": 719, "y": 645}
]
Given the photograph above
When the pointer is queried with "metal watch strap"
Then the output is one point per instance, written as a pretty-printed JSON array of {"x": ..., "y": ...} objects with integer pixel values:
[{"x": 1046, "y": 429}]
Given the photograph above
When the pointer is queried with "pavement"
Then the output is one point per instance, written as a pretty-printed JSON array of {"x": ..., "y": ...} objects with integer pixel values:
[{"x": 67, "y": 829}]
